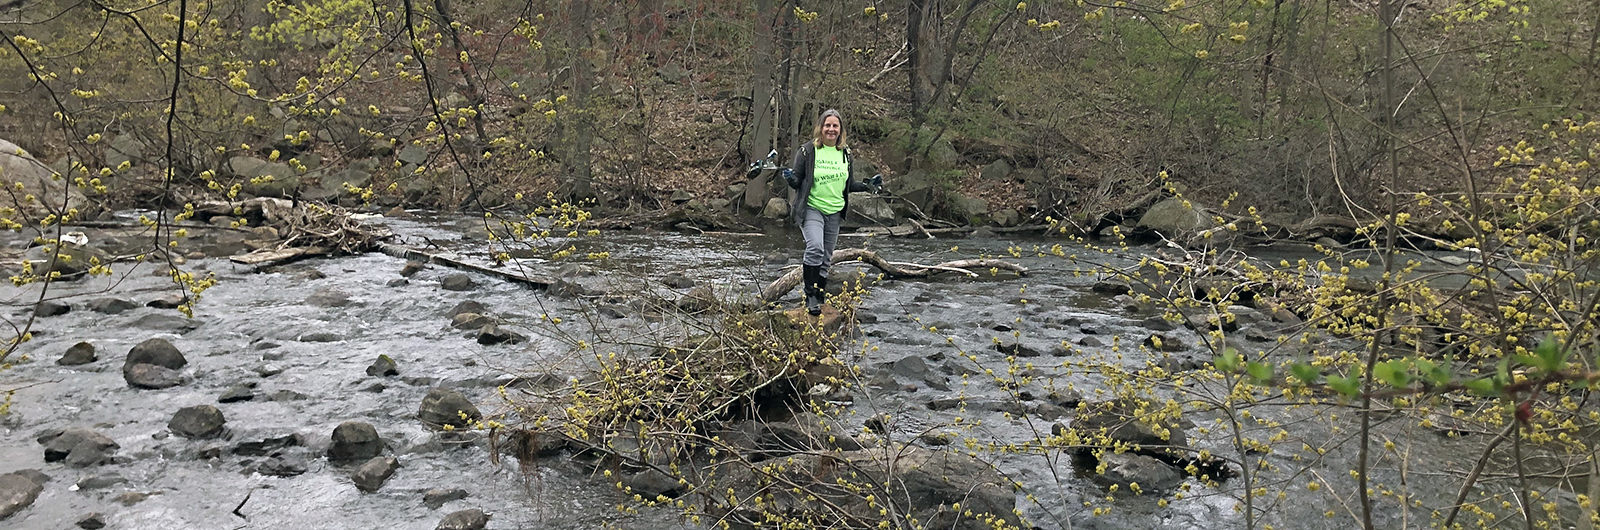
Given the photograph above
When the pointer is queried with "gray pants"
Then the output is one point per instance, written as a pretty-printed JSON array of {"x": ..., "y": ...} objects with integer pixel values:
[{"x": 821, "y": 232}]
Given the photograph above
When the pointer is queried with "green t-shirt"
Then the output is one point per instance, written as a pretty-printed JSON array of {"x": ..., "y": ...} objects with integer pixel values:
[{"x": 828, "y": 176}]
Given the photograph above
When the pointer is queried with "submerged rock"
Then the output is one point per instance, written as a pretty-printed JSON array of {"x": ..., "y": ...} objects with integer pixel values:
[
  {"x": 437, "y": 497},
  {"x": 493, "y": 334},
  {"x": 51, "y": 308},
  {"x": 198, "y": 422},
  {"x": 443, "y": 406},
  {"x": 16, "y": 492},
  {"x": 93, "y": 521},
  {"x": 110, "y": 306},
  {"x": 372, "y": 474},
  {"x": 468, "y": 519},
  {"x": 79, "y": 354},
  {"x": 457, "y": 282},
  {"x": 283, "y": 466},
  {"x": 245, "y": 392}
]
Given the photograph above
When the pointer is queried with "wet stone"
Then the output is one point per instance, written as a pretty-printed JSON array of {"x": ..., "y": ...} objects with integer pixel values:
[
  {"x": 131, "y": 498},
  {"x": 287, "y": 395},
  {"x": 470, "y": 321},
  {"x": 197, "y": 422},
  {"x": 245, "y": 392},
  {"x": 101, "y": 481},
  {"x": 79, "y": 354},
  {"x": 78, "y": 447},
  {"x": 469, "y": 519},
  {"x": 93, "y": 521},
  {"x": 51, "y": 308},
  {"x": 282, "y": 466},
  {"x": 265, "y": 446},
  {"x": 437, "y": 497},
  {"x": 38, "y": 477},
  {"x": 1111, "y": 287},
  {"x": 158, "y": 352},
  {"x": 457, "y": 282},
  {"x": 398, "y": 282},
  {"x": 169, "y": 301},
  {"x": 372, "y": 474},
  {"x": 411, "y": 268},
  {"x": 493, "y": 334},
  {"x": 677, "y": 281},
  {"x": 16, "y": 493},
  {"x": 269, "y": 370},
  {"x": 1129, "y": 468},
  {"x": 1011, "y": 345},
  {"x": 110, "y": 306},
  {"x": 1164, "y": 342},
  {"x": 152, "y": 377},
  {"x": 321, "y": 336},
  {"x": 1158, "y": 323},
  {"x": 469, "y": 306},
  {"x": 443, "y": 406},
  {"x": 328, "y": 298},
  {"x": 383, "y": 366},
  {"x": 354, "y": 441}
]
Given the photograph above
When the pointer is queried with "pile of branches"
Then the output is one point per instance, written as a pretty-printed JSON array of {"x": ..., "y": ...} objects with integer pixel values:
[{"x": 304, "y": 228}]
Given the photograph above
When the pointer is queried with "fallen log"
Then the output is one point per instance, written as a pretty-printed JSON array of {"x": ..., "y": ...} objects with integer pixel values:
[
  {"x": 265, "y": 257},
  {"x": 892, "y": 269},
  {"x": 413, "y": 254}
]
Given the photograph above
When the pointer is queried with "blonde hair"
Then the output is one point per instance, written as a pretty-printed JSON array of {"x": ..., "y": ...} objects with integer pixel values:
[{"x": 816, "y": 132}]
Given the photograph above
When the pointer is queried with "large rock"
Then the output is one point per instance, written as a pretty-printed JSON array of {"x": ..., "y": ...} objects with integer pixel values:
[
  {"x": 457, "y": 282},
  {"x": 468, "y": 519},
  {"x": 150, "y": 376},
  {"x": 972, "y": 209},
  {"x": 1125, "y": 469},
  {"x": 80, "y": 353},
  {"x": 494, "y": 334},
  {"x": 869, "y": 209},
  {"x": 70, "y": 260},
  {"x": 1176, "y": 219},
  {"x": 198, "y": 422},
  {"x": 933, "y": 482},
  {"x": 383, "y": 366},
  {"x": 776, "y": 208},
  {"x": 51, "y": 308},
  {"x": 354, "y": 441},
  {"x": 158, "y": 352},
  {"x": 443, "y": 406},
  {"x": 437, "y": 497},
  {"x": 372, "y": 474},
  {"x": 78, "y": 447},
  {"x": 16, "y": 492},
  {"x": 17, "y": 166},
  {"x": 110, "y": 305},
  {"x": 1115, "y": 420}
]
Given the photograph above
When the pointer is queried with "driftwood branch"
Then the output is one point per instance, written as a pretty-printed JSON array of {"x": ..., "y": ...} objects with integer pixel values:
[
  {"x": 409, "y": 253},
  {"x": 896, "y": 270}
]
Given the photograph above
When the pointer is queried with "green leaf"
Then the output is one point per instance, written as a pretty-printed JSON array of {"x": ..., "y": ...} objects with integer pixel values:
[
  {"x": 1349, "y": 386},
  {"x": 1550, "y": 355},
  {"x": 1486, "y": 387},
  {"x": 1261, "y": 372},
  {"x": 1305, "y": 373},
  {"x": 1228, "y": 361},
  {"x": 1435, "y": 374},
  {"x": 1393, "y": 373}
]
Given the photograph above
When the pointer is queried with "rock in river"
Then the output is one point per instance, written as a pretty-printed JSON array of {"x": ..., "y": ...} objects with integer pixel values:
[
  {"x": 1129, "y": 468},
  {"x": 371, "y": 475},
  {"x": 382, "y": 367},
  {"x": 198, "y": 422},
  {"x": 16, "y": 493},
  {"x": 78, "y": 447},
  {"x": 80, "y": 353},
  {"x": 469, "y": 519},
  {"x": 435, "y": 498},
  {"x": 158, "y": 352},
  {"x": 51, "y": 308},
  {"x": 443, "y": 406},
  {"x": 354, "y": 441},
  {"x": 151, "y": 376},
  {"x": 457, "y": 282}
]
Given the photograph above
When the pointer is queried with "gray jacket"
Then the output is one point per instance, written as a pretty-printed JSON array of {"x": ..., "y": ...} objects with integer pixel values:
[{"x": 803, "y": 165}]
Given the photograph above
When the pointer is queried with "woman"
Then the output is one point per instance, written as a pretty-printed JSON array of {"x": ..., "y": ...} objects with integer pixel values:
[{"x": 822, "y": 175}]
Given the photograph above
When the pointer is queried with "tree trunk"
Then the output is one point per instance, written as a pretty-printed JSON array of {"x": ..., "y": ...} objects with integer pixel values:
[
  {"x": 762, "y": 63},
  {"x": 581, "y": 185},
  {"x": 915, "y": 48}
]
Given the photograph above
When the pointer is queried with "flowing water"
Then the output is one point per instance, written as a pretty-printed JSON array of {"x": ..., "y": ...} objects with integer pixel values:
[{"x": 307, "y": 359}]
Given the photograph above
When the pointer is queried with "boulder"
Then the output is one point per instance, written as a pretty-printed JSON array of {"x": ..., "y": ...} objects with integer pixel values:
[
  {"x": 998, "y": 171},
  {"x": 354, "y": 441},
  {"x": 124, "y": 149},
  {"x": 677, "y": 280},
  {"x": 1176, "y": 219},
  {"x": 383, "y": 366},
  {"x": 443, "y": 406},
  {"x": 1006, "y": 217},
  {"x": 372, "y": 474},
  {"x": 412, "y": 267},
  {"x": 871, "y": 209},
  {"x": 494, "y": 334},
  {"x": 78, "y": 447},
  {"x": 457, "y": 282},
  {"x": 437, "y": 497},
  {"x": 776, "y": 208},
  {"x": 697, "y": 299},
  {"x": 469, "y": 306},
  {"x": 1111, "y": 287},
  {"x": 19, "y": 167},
  {"x": 916, "y": 187},
  {"x": 150, "y": 376},
  {"x": 971, "y": 209},
  {"x": 110, "y": 305},
  {"x": 1011, "y": 345},
  {"x": 471, "y": 321},
  {"x": 80, "y": 353},
  {"x": 1150, "y": 474},
  {"x": 265, "y": 446},
  {"x": 70, "y": 260},
  {"x": 93, "y": 521},
  {"x": 197, "y": 423},
  {"x": 51, "y": 308},
  {"x": 328, "y": 298},
  {"x": 1164, "y": 342},
  {"x": 286, "y": 465},
  {"x": 167, "y": 301},
  {"x": 1116, "y": 421},
  {"x": 158, "y": 352},
  {"x": 468, "y": 519},
  {"x": 16, "y": 492}
]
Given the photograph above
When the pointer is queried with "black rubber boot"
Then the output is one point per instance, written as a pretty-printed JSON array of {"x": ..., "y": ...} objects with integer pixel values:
[{"x": 811, "y": 278}]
